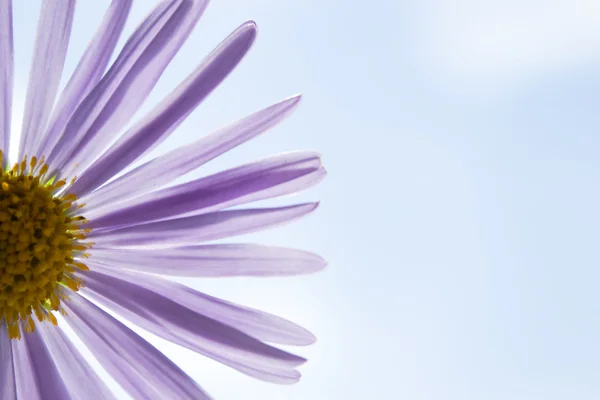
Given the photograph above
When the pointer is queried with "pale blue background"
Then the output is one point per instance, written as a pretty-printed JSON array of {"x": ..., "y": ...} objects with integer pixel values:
[{"x": 460, "y": 215}]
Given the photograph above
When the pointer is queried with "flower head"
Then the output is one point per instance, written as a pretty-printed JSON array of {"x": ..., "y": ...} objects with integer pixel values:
[
  {"x": 41, "y": 245},
  {"x": 73, "y": 236}
]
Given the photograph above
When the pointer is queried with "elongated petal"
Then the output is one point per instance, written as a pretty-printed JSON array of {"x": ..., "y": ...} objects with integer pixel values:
[
  {"x": 6, "y": 72},
  {"x": 25, "y": 379},
  {"x": 87, "y": 74},
  {"x": 213, "y": 260},
  {"x": 82, "y": 381},
  {"x": 191, "y": 11},
  {"x": 166, "y": 318},
  {"x": 8, "y": 390},
  {"x": 53, "y": 32},
  {"x": 187, "y": 158},
  {"x": 258, "y": 324},
  {"x": 201, "y": 228},
  {"x": 36, "y": 374},
  {"x": 131, "y": 87},
  {"x": 101, "y": 107},
  {"x": 271, "y": 177},
  {"x": 279, "y": 375},
  {"x": 142, "y": 370},
  {"x": 156, "y": 126}
]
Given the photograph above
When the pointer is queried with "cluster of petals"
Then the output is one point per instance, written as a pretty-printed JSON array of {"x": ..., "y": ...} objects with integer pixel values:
[{"x": 140, "y": 229}]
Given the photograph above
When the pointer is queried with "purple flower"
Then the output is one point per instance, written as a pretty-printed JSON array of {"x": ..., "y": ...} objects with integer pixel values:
[{"x": 68, "y": 244}]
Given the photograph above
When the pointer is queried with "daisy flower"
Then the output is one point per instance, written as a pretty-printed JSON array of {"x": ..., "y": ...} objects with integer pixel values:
[{"x": 76, "y": 232}]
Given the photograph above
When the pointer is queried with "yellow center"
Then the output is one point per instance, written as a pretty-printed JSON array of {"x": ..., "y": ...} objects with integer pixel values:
[{"x": 40, "y": 245}]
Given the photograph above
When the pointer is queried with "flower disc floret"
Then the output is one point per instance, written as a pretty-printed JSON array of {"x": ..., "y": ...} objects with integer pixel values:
[{"x": 40, "y": 245}]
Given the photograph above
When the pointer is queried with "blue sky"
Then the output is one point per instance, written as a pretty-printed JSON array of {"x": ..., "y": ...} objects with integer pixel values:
[{"x": 460, "y": 215}]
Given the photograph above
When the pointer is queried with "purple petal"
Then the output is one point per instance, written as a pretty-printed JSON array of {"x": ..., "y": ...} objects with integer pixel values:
[
  {"x": 8, "y": 390},
  {"x": 189, "y": 157},
  {"x": 201, "y": 228},
  {"x": 117, "y": 97},
  {"x": 97, "y": 109},
  {"x": 213, "y": 260},
  {"x": 6, "y": 74},
  {"x": 277, "y": 375},
  {"x": 275, "y": 176},
  {"x": 82, "y": 381},
  {"x": 90, "y": 69},
  {"x": 142, "y": 370},
  {"x": 53, "y": 32},
  {"x": 36, "y": 374},
  {"x": 25, "y": 382},
  {"x": 156, "y": 126},
  {"x": 258, "y": 324},
  {"x": 166, "y": 318}
]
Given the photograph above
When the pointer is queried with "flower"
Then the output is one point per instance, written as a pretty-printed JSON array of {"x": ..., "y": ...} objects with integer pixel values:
[{"x": 69, "y": 243}]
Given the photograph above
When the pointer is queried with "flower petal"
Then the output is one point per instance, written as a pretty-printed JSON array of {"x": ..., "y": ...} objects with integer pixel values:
[
  {"x": 277, "y": 375},
  {"x": 87, "y": 74},
  {"x": 8, "y": 390},
  {"x": 258, "y": 324},
  {"x": 117, "y": 97},
  {"x": 271, "y": 177},
  {"x": 96, "y": 110},
  {"x": 200, "y": 228},
  {"x": 172, "y": 321},
  {"x": 82, "y": 381},
  {"x": 25, "y": 382},
  {"x": 7, "y": 70},
  {"x": 180, "y": 161},
  {"x": 213, "y": 260},
  {"x": 53, "y": 32},
  {"x": 36, "y": 374},
  {"x": 156, "y": 126},
  {"x": 142, "y": 370}
]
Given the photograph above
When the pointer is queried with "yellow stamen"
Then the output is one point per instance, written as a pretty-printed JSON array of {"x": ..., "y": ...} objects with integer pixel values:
[{"x": 41, "y": 246}]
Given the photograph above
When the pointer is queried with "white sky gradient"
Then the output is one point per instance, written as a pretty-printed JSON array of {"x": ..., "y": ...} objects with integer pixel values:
[{"x": 512, "y": 39}]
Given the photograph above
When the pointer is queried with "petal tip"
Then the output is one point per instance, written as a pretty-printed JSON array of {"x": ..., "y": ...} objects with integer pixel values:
[
  {"x": 321, "y": 264},
  {"x": 313, "y": 206},
  {"x": 317, "y": 264},
  {"x": 250, "y": 26},
  {"x": 293, "y": 100},
  {"x": 309, "y": 339}
]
